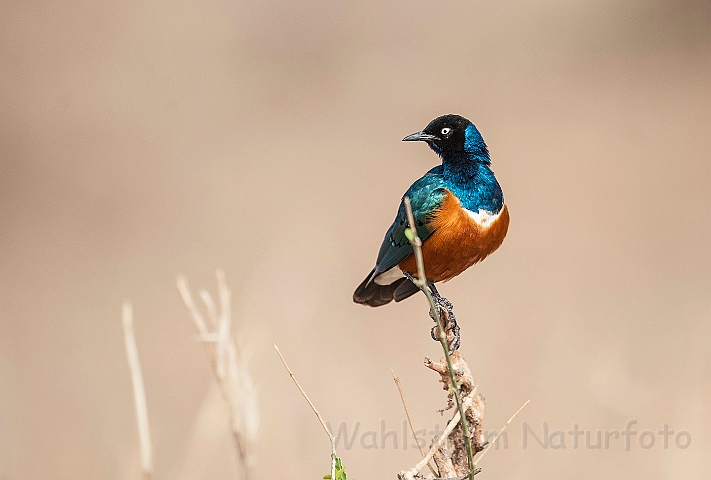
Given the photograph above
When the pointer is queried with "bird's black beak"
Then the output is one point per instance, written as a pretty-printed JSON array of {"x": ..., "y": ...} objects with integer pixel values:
[{"x": 420, "y": 137}]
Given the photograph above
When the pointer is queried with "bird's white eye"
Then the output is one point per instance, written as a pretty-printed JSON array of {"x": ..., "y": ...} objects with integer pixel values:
[{"x": 446, "y": 131}]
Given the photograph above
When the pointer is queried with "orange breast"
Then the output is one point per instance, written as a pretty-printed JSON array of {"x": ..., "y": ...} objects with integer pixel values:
[{"x": 458, "y": 241}]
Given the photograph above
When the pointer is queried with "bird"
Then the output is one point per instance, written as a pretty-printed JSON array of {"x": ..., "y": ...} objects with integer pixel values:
[{"x": 459, "y": 213}]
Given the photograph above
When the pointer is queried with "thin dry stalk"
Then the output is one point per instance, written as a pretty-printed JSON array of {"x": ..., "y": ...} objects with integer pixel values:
[
  {"x": 501, "y": 431},
  {"x": 139, "y": 393},
  {"x": 331, "y": 438},
  {"x": 409, "y": 419}
]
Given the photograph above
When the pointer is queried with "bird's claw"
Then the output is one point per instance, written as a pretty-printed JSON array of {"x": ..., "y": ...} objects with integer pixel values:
[
  {"x": 454, "y": 346},
  {"x": 444, "y": 305}
]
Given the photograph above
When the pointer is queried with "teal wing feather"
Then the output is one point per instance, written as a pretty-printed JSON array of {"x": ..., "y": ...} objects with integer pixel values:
[{"x": 426, "y": 196}]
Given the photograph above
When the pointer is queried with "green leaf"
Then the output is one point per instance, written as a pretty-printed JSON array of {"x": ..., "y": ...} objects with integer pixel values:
[
  {"x": 340, "y": 471},
  {"x": 409, "y": 234}
]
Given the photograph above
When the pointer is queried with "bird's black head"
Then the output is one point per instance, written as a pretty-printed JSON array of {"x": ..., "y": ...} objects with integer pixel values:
[{"x": 451, "y": 134}]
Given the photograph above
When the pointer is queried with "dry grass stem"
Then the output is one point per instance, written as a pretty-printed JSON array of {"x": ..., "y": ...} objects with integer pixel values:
[
  {"x": 501, "y": 431},
  {"x": 409, "y": 419},
  {"x": 227, "y": 361},
  {"x": 331, "y": 438},
  {"x": 139, "y": 393}
]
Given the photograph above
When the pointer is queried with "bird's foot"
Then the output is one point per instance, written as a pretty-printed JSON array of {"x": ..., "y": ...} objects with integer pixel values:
[
  {"x": 456, "y": 338},
  {"x": 448, "y": 320},
  {"x": 454, "y": 345},
  {"x": 441, "y": 301}
]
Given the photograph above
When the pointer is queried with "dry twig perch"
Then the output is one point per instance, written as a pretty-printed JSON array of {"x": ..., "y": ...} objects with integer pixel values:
[{"x": 454, "y": 458}]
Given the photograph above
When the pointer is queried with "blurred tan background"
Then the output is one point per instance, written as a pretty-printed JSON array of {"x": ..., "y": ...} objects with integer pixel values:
[{"x": 139, "y": 140}]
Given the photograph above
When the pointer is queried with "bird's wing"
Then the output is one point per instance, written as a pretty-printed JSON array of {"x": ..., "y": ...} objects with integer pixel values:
[{"x": 425, "y": 195}]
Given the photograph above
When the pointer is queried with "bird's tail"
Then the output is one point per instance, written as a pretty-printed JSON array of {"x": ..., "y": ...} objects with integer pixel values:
[{"x": 374, "y": 295}]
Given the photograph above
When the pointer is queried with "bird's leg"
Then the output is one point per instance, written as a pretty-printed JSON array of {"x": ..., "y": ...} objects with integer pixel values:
[
  {"x": 446, "y": 310},
  {"x": 439, "y": 299},
  {"x": 449, "y": 321}
]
